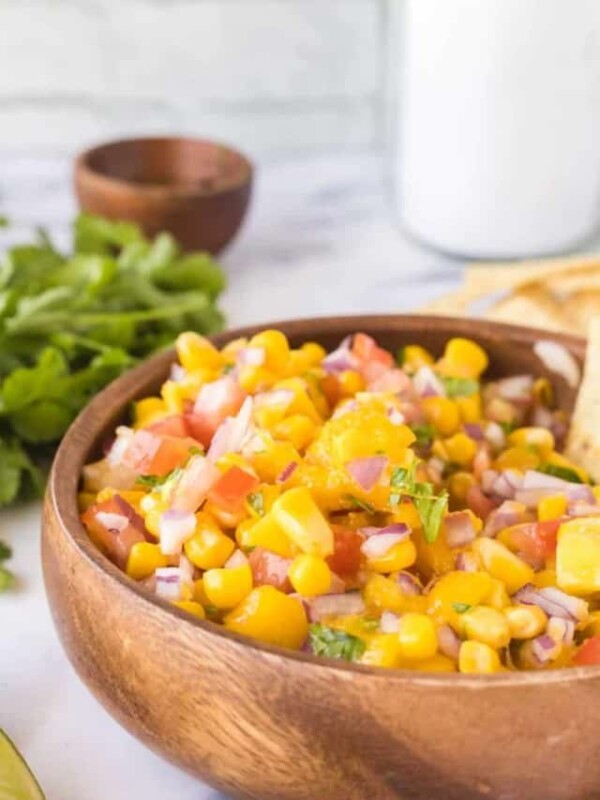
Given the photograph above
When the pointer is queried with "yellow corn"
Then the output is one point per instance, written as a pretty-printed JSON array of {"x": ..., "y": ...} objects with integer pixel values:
[
  {"x": 517, "y": 458},
  {"x": 199, "y": 595},
  {"x": 478, "y": 658},
  {"x": 525, "y": 622},
  {"x": 276, "y": 347},
  {"x": 174, "y": 395},
  {"x": 469, "y": 407},
  {"x": 297, "y": 514},
  {"x": 461, "y": 449},
  {"x": 552, "y": 507},
  {"x": 208, "y": 548},
  {"x": 415, "y": 357},
  {"x": 350, "y": 382},
  {"x": 310, "y": 575},
  {"x": 254, "y": 379},
  {"x": 195, "y": 352},
  {"x": 191, "y": 607},
  {"x": 442, "y": 413},
  {"x": 487, "y": 625},
  {"x": 578, "y": 556},
  {"x": 148, "y": 411},
  {"x": 437, "y": 663},
  {"x": 270, "y": 616},
  {"x": 417, "y": 636},
  {"x": 226, "y": 588},
  {"x": 152, "y": 506},
  {"x": 463, "y": 588},
  {"x": 144, "y": 558},
  {"x": 383, "y": 650},
  {"x": 400, "y": 556},
  {"x": 266, "y": 533},
  {"x": 543, "y": 391},
  {"x": 500, "y": 410},
  {"x": 382, "y": 594},
  {"x": 298, "y": 429},
  {"x": 502, "y": 564},
  {"x": 498, "y": 596},
  {"x": 270, "y": 462},
  {"x": 464, "y": 358},
  {"x": 544, "y": 578},
  {"x": 458, "y": 486},
  {"x": 541, "y": 439},
  {"x": 314, "y": 352},
  {"x": 592, "y": 626}
]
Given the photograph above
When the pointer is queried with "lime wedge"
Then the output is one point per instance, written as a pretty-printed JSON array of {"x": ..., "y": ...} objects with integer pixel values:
[{"x": 16, "y": 779}]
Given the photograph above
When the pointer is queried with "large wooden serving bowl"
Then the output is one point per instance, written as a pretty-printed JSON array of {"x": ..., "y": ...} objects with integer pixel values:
[{"x": 259, "y": 722}]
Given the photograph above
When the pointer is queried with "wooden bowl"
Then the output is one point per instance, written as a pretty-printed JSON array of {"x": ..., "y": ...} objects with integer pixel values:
[
  {"x": 259, "y": 722},
  {"x": 197, "y": 190}
]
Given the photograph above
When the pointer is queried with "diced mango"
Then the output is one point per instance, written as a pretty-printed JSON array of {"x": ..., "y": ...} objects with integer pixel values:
[
  {"x": 552, "y": 507},
  {"x": 578, "y": 556},
  {"x": 464, "y": 358},
  {"x": 298, "y": 516},
  {"x": 442, "y": 413}
]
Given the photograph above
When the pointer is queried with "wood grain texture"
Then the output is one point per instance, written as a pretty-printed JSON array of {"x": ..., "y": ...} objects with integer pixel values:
[{"x": 258, "y": 722}]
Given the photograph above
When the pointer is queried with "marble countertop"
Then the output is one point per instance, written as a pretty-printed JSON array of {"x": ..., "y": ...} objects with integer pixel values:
[{"x": 319, "y": 240}]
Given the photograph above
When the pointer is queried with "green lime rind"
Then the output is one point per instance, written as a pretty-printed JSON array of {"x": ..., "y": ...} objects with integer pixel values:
[{"x": 16, "y": 779}]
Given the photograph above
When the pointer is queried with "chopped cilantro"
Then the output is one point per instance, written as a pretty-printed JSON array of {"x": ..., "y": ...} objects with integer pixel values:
[
  {"x": 564, "y": 473},
  {"x": 228, "y": 368},
  {"x": 508, "y": 427},
  {"x": 460, "y": 387},
  {"x": 330, "y": 643},
  {"x": 431, "y": 511},
  {"x": 362, "y": 505},
  {"x": 153, "y": 481},
  {"x": 7, "y": 579},
  {"x": 5, "y": 551},
  {"x": 400, "y": 356},
  {"x": 425, "y": 434},
  {"x": 461, "y": 608},
  {"x": 196, "y": 450},
  {"x": 256, "y": 501}
]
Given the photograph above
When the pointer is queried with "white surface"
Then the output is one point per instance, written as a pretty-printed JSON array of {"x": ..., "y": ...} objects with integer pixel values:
[
  {"x": 267, "y": 74},
  {"x": 516, "y": 141}
]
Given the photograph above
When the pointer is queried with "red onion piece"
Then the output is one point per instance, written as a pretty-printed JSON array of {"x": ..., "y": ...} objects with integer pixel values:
[
  {"x": 544, "y": 648},
  {"x": 448, "y": 642},
  {"x": 466, "y": 562},
  {"x": 389, "y": 622},
  {"x": 177, "y": 374},
  {"x": 175, "y": 527},
  {"x": 554, "y": 602},
  {"x": 194, "y": 483},
  {"x": 561, "y": 630},
  {"x": 232, "y": 434},
  {"x": 536, "y": 486},
  {"x": 509, "y": 513},
  {"x": 112, "y": 521},
  {"x": 367, "y": 471},
  {"x": 459, "y": 528},
  {"x": 378, "y": 546},
  {"x": 341, "y": 359},
  {"x": 236, "y": 559},
  {"x": 339, "y": 605},
  {"x": 287, "y": 472},
  {"x": 395, "y": 416},
  {"x": 170, "y": 582},
  {"x": 398, "y": 527},
  {"x": 474, "y": 430},
  {"x": 409, "y": 584},
  {"x": 495, "y": 435},
  {"x": 251, "y": 357},
  {"x": 427, "y": 384},
  {"x": 516, "y": 389}
]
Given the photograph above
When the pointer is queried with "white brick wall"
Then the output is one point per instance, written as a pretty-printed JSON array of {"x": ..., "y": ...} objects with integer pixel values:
[{"x": 273, "y": 75}]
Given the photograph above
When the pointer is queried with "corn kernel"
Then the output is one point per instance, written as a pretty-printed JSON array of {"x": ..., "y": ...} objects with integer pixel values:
[
  {"x": 226, "y": 588},
  {"x": 383, "y": 650},
  {"x": 544, "y": 578},
  {"x": 465, "y": 588},
  {"x": 540, "y": 439},
  {"x": 525, "y": 622},
  {"x": 266, "y": 533},
  {"x": 199, "y": 595},
  {"x": 276, "y": 347},
  {"x": 310, "y": 575},
  {"x": 297, "y": 514},
  {"x": 191, "y": 607},
  {"x": 458, "y": 485},
  {"x": 253, "y": 379},
  {"x": 442, "y": 413},
  {"x": 314, "y": 352},
  {"x": 592, "y": 625},
  {"x": 497, "y": 597},
  {"x": 552, "y": 507},
  {"x": 298, "y": 429},
  {"x": 208, "y": 548},
  {"x": 148, "y": 411},
  {"x": 437, "y": 663},
  {"x": 270, "y": 616},
  {"x": 417, "y": 636},
  {"x": 469, "y": 408},
  {"x": 517, "y": 458},
  {"x": 350, "y": 383},
  {"x": 487, "y": 625},
  {"x": 144, "y": 558},
  {"x": 465, "y": 358},
  {"x": 400, "y": 556},
  {"x": 502, "y": 564},
  {"x": 461, "y": 449},
  {"x": 414, "y": 357},
  {"x": 196, "y": 352},
  {"x": 478, "y": 659}
]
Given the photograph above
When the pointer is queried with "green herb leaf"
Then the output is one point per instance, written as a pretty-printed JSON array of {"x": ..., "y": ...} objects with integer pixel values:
[
  {"x": 331, "y": 643},
  {"x": 4, "y": 221},
  {"x": 425, "y": 434},
  {"x": 461, "y": 608},
  {"x": 154, "y": 481},
  {"x": 7, "y": 579},
  {"x": 564, "y": 473},
  {"x": 460, "y": 387},
  {"x": 400, "y": 356},
  {"x": 256, "y": 501},
  {"x": 431, "y": 512},
  {"x": 196, "y": 451},
  {"x": 5, "y": 551},
  {"x": 508, "y": 427},
  {"x": 362, "y": 505}
]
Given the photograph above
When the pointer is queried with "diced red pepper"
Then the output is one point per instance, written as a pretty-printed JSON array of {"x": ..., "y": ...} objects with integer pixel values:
[
  {"x": 535, "y": 540},
  {"x": 588, "y": 653},
  {"x": 374, "y": 360},
  {"x": 114, "y": 527},
  {"x": 269, "y": 569},
  {"x": 347, "y": 556},
  {"x": 232, "y": 488},
  {"x": 175, "y": 426},
  {"x": 152, "y": 454},
  {"x": 216, "y": 401}
]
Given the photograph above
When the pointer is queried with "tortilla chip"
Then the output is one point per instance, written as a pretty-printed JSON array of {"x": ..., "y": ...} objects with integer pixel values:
[
  {"x": 533, "y": 306},
  {"x": 583, "y": 444},
  {"x": 453, "y": 304},
  {"x": 485, "y": 278}
]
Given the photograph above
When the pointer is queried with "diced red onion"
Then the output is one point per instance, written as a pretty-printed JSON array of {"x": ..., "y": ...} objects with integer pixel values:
[
  {"x": 474, "y": 430},
  {"x": 509, "y": 513},
  {"x": 537, "y": 485},
  {"x": 580, "y": 509},
  {"x": 395, "y": 416},
  {"x": 378, "y": 546},
  {"x": 409, "y": 584},
  {"x": 187, "y": 568},
  {"x": 178, "y": 373},
  {"x": 558, "y": 359},
  {"x": 170, "y": 582},
  {"x": 516, "y": 389},
  {"x": 389, "y": 622},
  {"x": 466, "y": 562},
  {"x": 544, "y": 648},
  {"x": 543, "y": 417},
  {"x": 216, "y": 394},
  {"x": 194, "y": 483},
  {"x": 251, "y": 357},
  {"x": 287, "y": 472},
  {"x": 278, "y": 397},
  {"x": 335, "y": 605},
  {"x": 236, "y": 559},
  {"x": 397, "y": 528},
  {"x": 448, "y": 642},
  {"x": 459, "y": 529},
  {"x": 367, "y": 471},
  {"x": 232, "y": 434},
  {"x": 112, "y": 522},
  {"x": 337, "y": 586},
  {"x": 340, "y": 360},
  {"x": 427, "y": 383},
  {"x": 554, "y": 602},
  {"x": 494, "y": 434},
  {"x": 120, "y": 445},
  {"x": 561, "y": 630},
  {"x": 175, "y": 527}
]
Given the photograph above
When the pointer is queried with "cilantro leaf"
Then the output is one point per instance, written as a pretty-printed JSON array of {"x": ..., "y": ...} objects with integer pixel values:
[
  {"x": 328, "y": 642},
  {"x": 460, "y": 387},
  {"x": 431, "y": 512},
  {"x": 564, "y": 473},
  {"x": 153, "y": 481},
  {"x": 461, "y": 608},
  {"x": 5, "y": 551},
  {"x": 7, "y": 579},
  {"x": 425, "y": 434},
  {"x": 361, "y": 505}
]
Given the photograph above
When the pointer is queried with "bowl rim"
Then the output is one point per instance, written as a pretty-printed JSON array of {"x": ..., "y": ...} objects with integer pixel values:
[
  {"x": 84, "y": 170},
  {"x": 64, "y": 481}
]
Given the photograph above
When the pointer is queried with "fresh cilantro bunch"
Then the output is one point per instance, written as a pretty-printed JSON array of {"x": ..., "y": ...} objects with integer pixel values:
[{"x": 70, "y": 324}]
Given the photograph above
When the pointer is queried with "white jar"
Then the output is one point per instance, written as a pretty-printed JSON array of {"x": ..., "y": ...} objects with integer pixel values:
[{"x": 499, "y": 124}]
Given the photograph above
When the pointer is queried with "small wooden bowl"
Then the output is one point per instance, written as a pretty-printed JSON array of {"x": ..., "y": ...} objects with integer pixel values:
[
  {"x": 259, "y": 722},
  {"x": 197, "y": 190}
]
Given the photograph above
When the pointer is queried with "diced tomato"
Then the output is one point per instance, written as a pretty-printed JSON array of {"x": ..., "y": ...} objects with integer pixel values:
[
  {"x": 588, "y": 653},
  {"x": 152, "y": 454},
  {"x": 347, "y": 556},
  {"x": 391, "y": 380},
  {"x": 479, "y": 503},
  {"x": 535, "y": 540},
  {"x": 216, "y": 401},
  {"x": 269, "y": 569},
  {"x": 374, "y": 360},
  {"x": 114, "y": 526},
  {"x": 330, "y": 386},
  {"x": 170, "y": 426},
  {"x": 193, "y": 485},
  {"x": 232, "y": 488}
]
